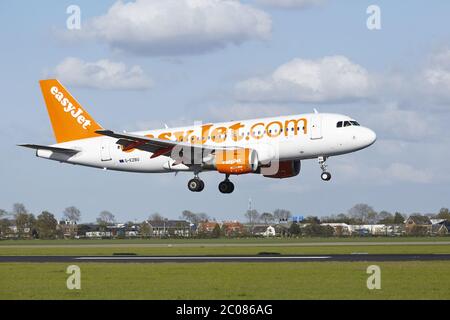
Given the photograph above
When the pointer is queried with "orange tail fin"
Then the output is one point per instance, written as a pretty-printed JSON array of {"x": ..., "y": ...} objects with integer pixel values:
[{"x": 69, "y": 120}]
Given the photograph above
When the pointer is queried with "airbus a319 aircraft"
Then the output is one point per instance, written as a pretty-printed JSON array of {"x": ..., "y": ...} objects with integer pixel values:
[{"x": 272, "y": 147}]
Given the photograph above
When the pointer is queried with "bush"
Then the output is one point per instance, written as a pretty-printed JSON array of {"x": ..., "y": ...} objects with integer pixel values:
[{"x": 316, "y": 230}]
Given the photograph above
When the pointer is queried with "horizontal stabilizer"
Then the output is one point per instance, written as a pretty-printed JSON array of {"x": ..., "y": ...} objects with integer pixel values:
[{"x": 50, "y": 148}]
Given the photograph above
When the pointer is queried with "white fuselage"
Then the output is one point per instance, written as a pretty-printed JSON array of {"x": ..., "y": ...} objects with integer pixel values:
[{"x": 295, "y": 137}]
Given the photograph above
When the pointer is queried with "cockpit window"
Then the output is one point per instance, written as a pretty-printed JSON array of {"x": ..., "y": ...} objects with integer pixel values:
[{"x": 341, "y": 124}]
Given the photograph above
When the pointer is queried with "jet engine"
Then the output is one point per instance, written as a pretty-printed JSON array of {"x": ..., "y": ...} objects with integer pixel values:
[{"x": 236, "y": 161}]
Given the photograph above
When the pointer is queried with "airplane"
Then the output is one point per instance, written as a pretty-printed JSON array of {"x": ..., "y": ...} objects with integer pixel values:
[{"x": 272, "y": 147}]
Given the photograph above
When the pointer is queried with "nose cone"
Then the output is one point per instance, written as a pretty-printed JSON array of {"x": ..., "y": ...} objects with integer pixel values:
[{"x": 369, "y": 137}]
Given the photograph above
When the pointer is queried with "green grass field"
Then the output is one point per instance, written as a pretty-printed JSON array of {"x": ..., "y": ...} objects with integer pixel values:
[
  {"x": 309, "y": 280},
  {"x": 228, "y": 250},
  {"x": 220, "y": 240}
]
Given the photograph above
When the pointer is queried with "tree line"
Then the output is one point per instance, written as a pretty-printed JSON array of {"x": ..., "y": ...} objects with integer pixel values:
[
  {"x": 359, "y": 214},
  {"x": 44, "y": 226}
]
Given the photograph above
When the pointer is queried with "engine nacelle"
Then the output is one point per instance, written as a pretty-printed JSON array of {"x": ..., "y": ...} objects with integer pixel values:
[
  {"x": 237, "y": 161},
  {"x": 286, "y": 169}
]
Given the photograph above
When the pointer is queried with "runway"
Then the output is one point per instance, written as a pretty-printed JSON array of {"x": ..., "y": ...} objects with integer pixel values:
[{"x": 236, "y": 259}]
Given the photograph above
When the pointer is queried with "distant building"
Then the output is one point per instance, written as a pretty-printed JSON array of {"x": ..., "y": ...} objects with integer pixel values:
[
  {"x": 233, "y": 229},
  {"x": 418, "y": 225},
  {"x": 395, "y": 229},
  {"x": 84, "y": 228},
  {"x": 92, "y": 231},
  {"x": 440, "y": 227},
  {"x": 69, "y": 229},
  {"x": 439, "y": 230},
  {"x": 340, "y": 229},
  {"x": 370, "y": 229},
  {"x": 132, "y": 234},
  {"x": 263, "y": 231},
  {"x": 170, "y": 228},
  {"x": 206, "y": 228},
  {"x": 98, "y": 234},
  {"x": 132, "y": 230},
  {"x": 117, "y": 230},
  {"x": 14, "y": 233},
  {"x": 282, "y": 229}
]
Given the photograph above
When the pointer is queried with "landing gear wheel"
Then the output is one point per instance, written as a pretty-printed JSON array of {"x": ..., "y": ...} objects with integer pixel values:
[
  {"x": 326, "y": 176},
  {"x": 202, "y": 186},
  {"x": 226, "y": 186},
  {"x": 196, "y": 185}
]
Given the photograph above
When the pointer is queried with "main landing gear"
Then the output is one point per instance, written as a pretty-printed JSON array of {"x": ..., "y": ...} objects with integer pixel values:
[
  {"x": 226, "y": 186},
  {"x": 326, "y": 176},
  {"x": 197, "y": 185}
]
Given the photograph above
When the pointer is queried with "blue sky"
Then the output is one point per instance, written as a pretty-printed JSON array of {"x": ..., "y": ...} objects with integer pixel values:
[{"x": 406, "y": 64}]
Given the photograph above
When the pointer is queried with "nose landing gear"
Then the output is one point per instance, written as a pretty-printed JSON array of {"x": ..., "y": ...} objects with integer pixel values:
[
  {"x": 226, "y": 186},
  {"x": 326, "y": 176}
]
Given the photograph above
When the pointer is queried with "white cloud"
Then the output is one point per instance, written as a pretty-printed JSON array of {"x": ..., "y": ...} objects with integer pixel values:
[
  {"x": 329, "y": 79},
  {"x": 336, "y": 79},
  {"x": 246, "y": 111},
  {"x": 405, "y": 124},
  {"x": 291, "y": 4},
  {"x": 436, "y": 75},
  {"x": 175, "y": 27},
  {"x": 427, "y": 86},
  {"x": 102, "y": 74}
]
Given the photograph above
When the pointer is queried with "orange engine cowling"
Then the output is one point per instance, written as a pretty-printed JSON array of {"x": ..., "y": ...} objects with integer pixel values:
[
  {"x": 237, "y": 161},
  {"x": 286, "y": 169}
]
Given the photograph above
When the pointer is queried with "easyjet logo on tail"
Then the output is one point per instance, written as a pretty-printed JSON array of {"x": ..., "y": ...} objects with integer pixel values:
[{"x": 76, "y": 113}]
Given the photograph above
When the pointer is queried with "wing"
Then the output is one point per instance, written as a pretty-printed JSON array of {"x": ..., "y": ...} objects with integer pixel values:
[
  {"x": 50, "y": 148},
  {"x": 158, "y": 147}
]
